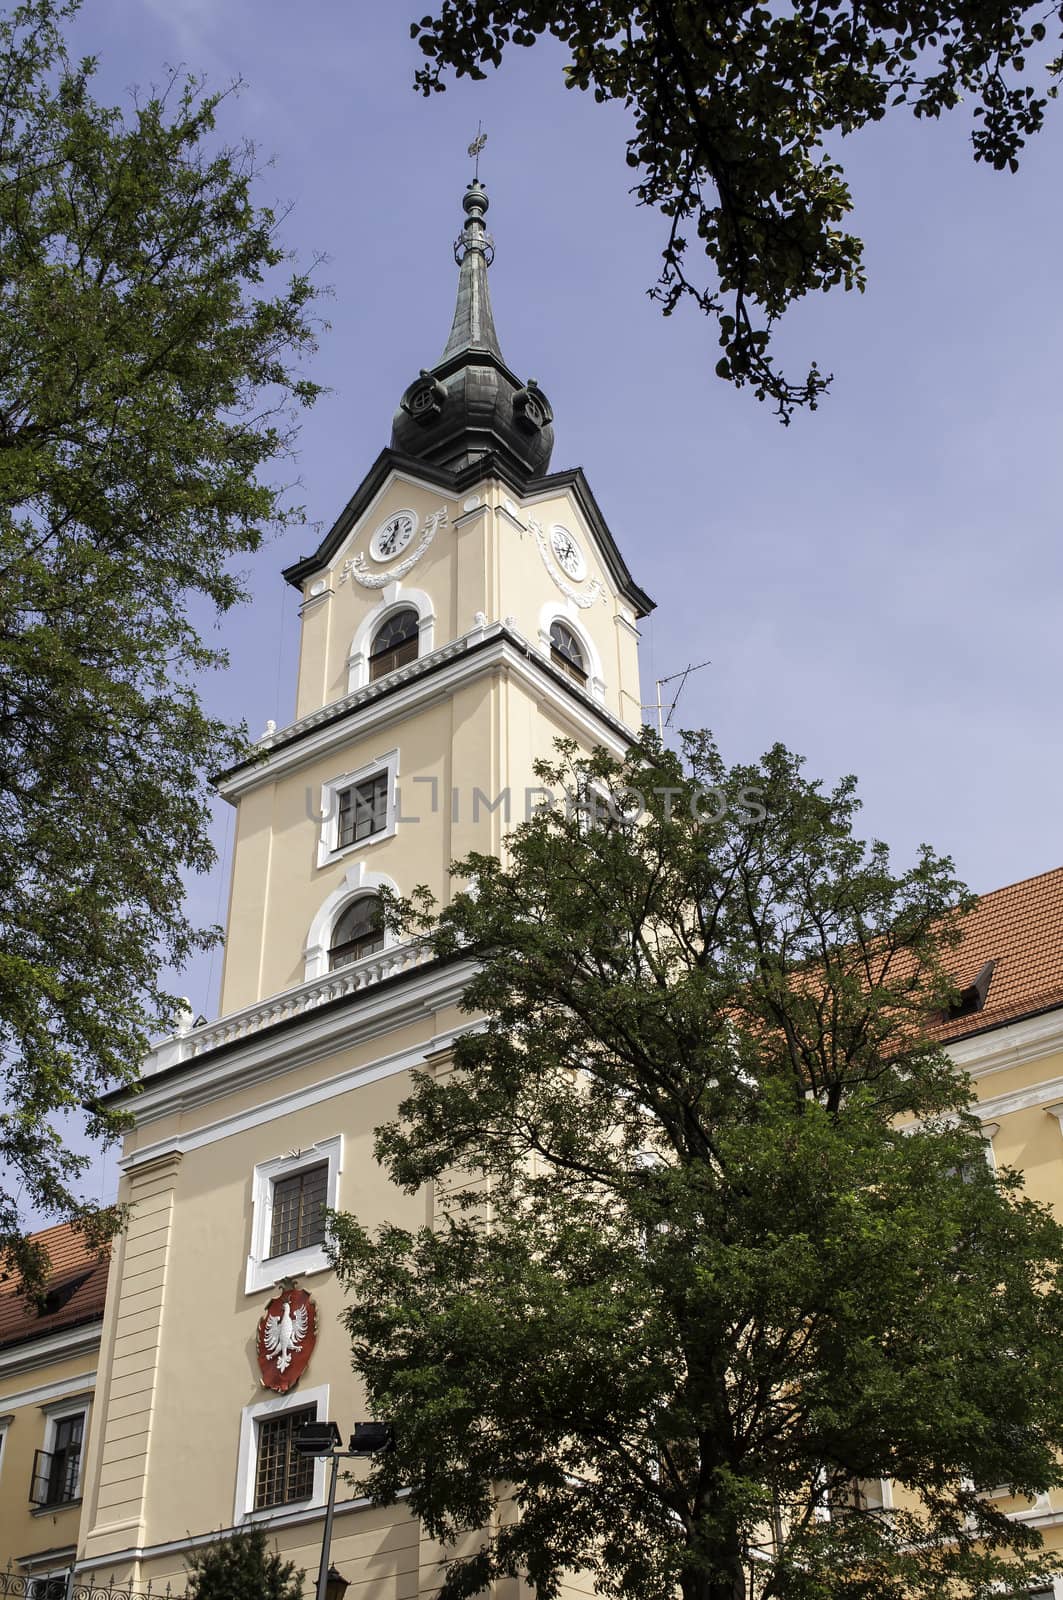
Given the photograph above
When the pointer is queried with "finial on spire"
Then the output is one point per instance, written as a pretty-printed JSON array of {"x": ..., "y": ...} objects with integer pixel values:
[
  {"x": 470, "y": 405},
  {"x": 475, "y": 148}
]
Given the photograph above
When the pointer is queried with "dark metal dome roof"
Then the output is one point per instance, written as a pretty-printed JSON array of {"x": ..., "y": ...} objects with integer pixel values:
[{"x": 470, "y": 404}]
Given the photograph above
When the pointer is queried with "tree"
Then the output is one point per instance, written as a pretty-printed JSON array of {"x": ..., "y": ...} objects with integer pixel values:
[
  {"x": 242, "y": 1567},
  {"x": 149, "y": 342},
  {"x": 716, "y": 1245},
  {"x": 737, "y": 112}
]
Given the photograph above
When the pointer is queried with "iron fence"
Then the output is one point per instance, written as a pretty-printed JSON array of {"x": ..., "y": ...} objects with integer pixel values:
[{"x": 72, "y": 1586}]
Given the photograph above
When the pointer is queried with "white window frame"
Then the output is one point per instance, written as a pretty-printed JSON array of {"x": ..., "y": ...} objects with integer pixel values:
[
  {"x": 394, "y": 597},
  {"x": 264, "y": 1270},
  {"x": 247, "y": 1458},
  {"x": 328, "y": 848},
  {"x": 59, "y": 1412},
  {"x": 564, "y": 611},
  {"x": 356, "y": 880},
  {"x": 5, "y": 1424}
]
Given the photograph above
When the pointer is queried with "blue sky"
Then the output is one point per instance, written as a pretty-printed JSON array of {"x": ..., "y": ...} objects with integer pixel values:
[{"x": 877, "y": 586}]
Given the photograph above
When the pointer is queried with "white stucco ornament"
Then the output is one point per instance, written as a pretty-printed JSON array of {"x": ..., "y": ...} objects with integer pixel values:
[
  {"x": 595, "y": 590},
  {"x": 285, "y": 1334},
  {"x": 356, "y": 567}
]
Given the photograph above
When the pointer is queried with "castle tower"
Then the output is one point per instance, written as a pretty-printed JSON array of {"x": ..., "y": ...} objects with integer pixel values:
[{"x": 467, "y": 608}]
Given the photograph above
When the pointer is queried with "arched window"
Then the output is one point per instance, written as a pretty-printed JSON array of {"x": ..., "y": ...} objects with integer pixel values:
[
  {"x": 394, "y": 643},
  {"x": 359, "y": 932},
  {"x": 566, "y": 652}
]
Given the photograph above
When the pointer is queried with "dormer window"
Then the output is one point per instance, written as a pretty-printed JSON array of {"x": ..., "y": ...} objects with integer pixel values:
[
  {"x": 395, "y": 643},
  {"x": 566, "y": 652},
  {"x": 359, "y": 932}
]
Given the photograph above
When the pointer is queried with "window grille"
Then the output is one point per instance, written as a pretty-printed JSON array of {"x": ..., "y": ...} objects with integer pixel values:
[
  {"x": 359, "y": 932},
  {"x": 52, "y": 1587},
  {"x": 395, "y": 644},
  {"x": 56, "y": 1471},
  {"x": 566, "y": 652},
  {"x": 363, "y": 810},
  {"x": 298, "y": 1216},
  {"x": 281, "y": 1473}
]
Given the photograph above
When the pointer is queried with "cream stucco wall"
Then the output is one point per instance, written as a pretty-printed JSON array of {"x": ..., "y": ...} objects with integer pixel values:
[
  {"x": 29, "y": 1388},
  {"x": 486, "y": 560},
  {"x": 179, "y": 1359},
  {"x": 463, "y": 745}
]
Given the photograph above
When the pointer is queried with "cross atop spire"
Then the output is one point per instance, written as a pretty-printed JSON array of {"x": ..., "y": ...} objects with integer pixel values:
[{"x": 476, "y": 146}]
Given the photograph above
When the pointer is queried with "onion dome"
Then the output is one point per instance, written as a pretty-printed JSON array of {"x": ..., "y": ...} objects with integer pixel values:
[{"x": 470, "y": 404}]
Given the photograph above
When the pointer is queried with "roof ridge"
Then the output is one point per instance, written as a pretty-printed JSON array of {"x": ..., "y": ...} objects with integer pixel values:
[{"x": 1005, "y": 888}]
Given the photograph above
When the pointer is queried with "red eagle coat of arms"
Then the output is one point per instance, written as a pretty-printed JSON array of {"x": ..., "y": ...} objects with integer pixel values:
[{"x": 287, "y": 1334}]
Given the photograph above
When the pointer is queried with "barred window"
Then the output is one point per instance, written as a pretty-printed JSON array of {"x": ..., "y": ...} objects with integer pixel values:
[
  {"x": 363, "y": 810},
  {"x": 298, "y": 1217},
  {"x": 394, "y": 644},
  {"x": 281, "y": 1473}
]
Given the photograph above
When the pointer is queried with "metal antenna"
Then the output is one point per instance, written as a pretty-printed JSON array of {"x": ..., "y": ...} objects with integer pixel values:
[
  {"x": 663, "y": 721},
  {"x": 475, "y": 148}
]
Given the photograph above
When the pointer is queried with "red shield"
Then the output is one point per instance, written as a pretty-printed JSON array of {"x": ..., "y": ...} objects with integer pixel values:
[{"x": 287, "y": 1334}]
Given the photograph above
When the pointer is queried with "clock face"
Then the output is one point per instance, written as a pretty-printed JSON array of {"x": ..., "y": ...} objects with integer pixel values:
[
  {"x": 568, "y": 553},
  {"x": 392, "y": 537}
]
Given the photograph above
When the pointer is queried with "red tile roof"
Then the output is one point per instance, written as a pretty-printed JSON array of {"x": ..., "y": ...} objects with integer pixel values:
[
  {"x": 77, "y": 1283},
  {"x": 1020, "y": 928}
]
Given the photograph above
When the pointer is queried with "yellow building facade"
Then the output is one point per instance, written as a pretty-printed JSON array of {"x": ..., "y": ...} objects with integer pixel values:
[
  {"x": 49, "y": 1356},
  {"x": 468, "y": 607}
]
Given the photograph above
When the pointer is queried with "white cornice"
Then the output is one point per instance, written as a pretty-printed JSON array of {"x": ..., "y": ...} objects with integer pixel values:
[
  {"x": 455, "y": 664},
  {"x": 1012, "y": 1045},
  {"x": 1002, "y": 1105},
  {"x": 275, "y": 1519},
  {"x": 317, "y": 1033},
  {"x": 84, "y": 1383},
  {"x": 59, "y": 1346},
  {"x": 287, "y": 1105}
]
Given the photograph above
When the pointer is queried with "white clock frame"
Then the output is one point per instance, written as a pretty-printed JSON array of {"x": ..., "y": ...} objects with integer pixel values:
[
  {"x": 374, "y": 543},
  {"x": 579, "y": 575}
]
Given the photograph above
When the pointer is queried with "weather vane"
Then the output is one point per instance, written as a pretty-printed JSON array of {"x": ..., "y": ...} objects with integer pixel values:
[{"x": 475, "y": 148}]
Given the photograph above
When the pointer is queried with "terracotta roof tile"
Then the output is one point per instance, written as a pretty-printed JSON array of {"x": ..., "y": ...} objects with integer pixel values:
[
  {"x": 77, "y": 1284},
  {"x": 1020, "y": 928}
]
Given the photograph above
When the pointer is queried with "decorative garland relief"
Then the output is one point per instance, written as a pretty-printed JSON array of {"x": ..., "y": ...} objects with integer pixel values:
[
  {"x": 595, "y": 590},
  {"x": 355, "y": 566}
]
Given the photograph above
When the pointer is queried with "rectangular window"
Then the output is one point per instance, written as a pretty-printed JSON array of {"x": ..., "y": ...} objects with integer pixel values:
[
  {"x": 298, "y": 1216},
  {"x": 281, "y": 1473},
  {"x": 57, "y": 1471},
  {"x": 363, "y": 810}
]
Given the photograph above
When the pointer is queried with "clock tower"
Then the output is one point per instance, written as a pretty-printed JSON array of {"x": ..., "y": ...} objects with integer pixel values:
[{"x": 468, "y": 607}]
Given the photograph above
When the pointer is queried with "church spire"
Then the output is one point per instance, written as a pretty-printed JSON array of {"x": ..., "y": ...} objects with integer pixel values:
[
  {"x": 473, "y": 327},
  {"x": 470, "y": 406}
]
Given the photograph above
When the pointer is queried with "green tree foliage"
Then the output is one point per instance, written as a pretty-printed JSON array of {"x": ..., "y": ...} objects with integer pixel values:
[
  {"x": 738, "y": 109},
  {"x": 716, "y": 1240},
  {"x": 242, "y": 1567},
  {"x": 149, "y": 346}
]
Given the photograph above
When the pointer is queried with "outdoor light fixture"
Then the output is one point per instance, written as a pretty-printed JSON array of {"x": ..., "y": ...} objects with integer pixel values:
[
  {"x": 371, "y": 1438},
  {"x": 317, "y": 1438},
  {"x": 325, "y": 1439},
  {"x": 336, "y": 1584}
]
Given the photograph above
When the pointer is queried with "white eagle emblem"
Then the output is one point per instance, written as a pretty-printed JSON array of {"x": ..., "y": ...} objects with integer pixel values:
[{"x": 283, "y": 1335}]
